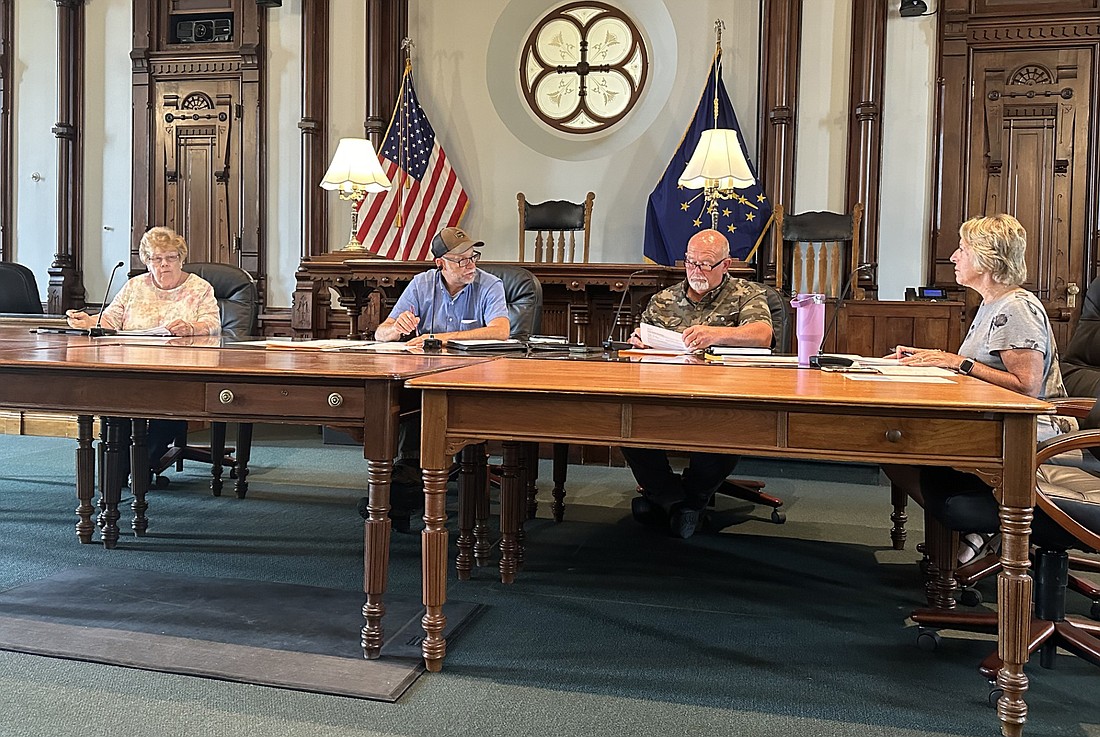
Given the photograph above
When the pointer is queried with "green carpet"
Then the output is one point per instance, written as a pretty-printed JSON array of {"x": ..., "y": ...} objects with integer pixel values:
[{"x": 611, "y": 628}]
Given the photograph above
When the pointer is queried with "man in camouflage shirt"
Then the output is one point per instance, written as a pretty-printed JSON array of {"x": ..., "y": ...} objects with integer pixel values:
[{"x": 710, "y": 308}]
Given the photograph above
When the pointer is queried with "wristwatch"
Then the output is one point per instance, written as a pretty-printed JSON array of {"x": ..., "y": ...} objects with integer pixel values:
[{"x": 966, "y": 366}]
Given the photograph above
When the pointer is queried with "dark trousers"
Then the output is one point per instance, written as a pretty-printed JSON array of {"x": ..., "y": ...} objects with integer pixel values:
[
  {"x": 160, "y": 436},
  {"x": 705, "y": 472}
]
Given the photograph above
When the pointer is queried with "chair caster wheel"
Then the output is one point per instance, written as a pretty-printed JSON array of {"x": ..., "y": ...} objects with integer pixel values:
[
  {"x": 233, "y": 472},
  {"x": 161, "y": 482},
  {"x": 970, "y": 597},
  {"x": 995, "y": 694},
  {"x": 1094, "y": 611},
  {"x": 928, "y": 640},
  {"x": 779, "y": 516}
]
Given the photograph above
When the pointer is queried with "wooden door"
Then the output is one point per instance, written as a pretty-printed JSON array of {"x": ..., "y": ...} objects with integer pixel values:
[
  {"x": 1029, "y": 157},
  {"x": 198, "y": 150}
]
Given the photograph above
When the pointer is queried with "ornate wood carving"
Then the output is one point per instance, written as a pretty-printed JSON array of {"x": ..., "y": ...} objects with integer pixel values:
[
  {"x": 865, "y": 123},
  {"x": 779, "y": 59},
  {"x": 66, "y": 288},
  {"x": 1014, "y": 115},
  {"x": 198, "y": 148},
  {"x": 7, "y": 88}
]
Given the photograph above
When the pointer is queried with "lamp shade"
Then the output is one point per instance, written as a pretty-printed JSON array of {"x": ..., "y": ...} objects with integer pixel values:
[
  {"x": 718, "y": 160},
  {"x": 355, "y": 168}
]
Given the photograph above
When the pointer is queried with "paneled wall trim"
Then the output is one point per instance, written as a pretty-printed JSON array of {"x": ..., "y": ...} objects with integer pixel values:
[
  {"x": 781, "y": 35},
  {"x": 7, "y": 89},
  {"x": 66, "y": 288}
]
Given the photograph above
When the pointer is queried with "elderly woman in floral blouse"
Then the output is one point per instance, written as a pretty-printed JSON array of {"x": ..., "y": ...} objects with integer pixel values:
[{"x": 166, "y": 296}]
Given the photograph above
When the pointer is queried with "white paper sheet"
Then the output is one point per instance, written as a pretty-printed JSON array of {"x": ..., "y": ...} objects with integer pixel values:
[{"x": 662, "y": 338}]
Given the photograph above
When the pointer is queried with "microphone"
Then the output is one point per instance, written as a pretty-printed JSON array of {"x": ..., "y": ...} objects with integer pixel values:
[
  {"x": 822, "y": 359},
  {"x": 617, "y": 345},
  {"x": 432, "y": 343},
  {"x": 97, "y": 331}
]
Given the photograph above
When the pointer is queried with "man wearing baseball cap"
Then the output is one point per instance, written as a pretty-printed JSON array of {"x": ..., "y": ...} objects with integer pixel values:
[{"x": 456, "y": 297}]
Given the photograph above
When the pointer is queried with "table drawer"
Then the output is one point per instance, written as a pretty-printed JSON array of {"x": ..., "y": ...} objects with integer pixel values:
[
  {"x": 895, "y": 435},
  {"x": 284, "y": 400}
]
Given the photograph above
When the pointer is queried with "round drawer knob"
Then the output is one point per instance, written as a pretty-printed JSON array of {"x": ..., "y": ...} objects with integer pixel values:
[
  {"x": 894, "y": 436},
  {"x": 225, "y": 396},
  {"x": 335, "y": 400}
]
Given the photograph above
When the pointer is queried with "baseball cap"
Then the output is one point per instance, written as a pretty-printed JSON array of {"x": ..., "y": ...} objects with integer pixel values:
[{"x": 452, "y": 239}]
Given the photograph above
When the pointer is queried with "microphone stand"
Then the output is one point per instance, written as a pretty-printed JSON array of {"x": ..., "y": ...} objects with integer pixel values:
[
  {"x": 822, "y": 360},
  {"x": 617, "y": 345},
  {"x": 432, "y": 343},
  {"x": 97, "y": 331}
]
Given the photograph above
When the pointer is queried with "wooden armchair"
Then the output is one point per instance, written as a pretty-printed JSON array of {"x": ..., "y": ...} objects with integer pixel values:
[
  {"x": 815, "y": 252},
  {"x": 555, "y": 225}
]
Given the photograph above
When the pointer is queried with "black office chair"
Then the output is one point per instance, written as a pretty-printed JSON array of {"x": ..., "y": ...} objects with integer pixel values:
[
  {"x": 816, "y": 251},
  {"x": 238, "y": 300},
  {"x": 18, "y": 290},
  {"x": 1067, "y": 515},
  {"x": 751, "y": 490}
]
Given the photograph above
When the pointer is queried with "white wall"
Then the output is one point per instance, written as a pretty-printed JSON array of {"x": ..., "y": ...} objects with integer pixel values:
[{"x": 470, "y": 95}]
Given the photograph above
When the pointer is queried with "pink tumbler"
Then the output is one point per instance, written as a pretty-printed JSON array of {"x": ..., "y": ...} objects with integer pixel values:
[{"x": 809, "y": 325}]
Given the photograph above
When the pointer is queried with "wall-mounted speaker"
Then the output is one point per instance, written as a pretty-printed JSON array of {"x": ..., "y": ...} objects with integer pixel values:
[{"x": 912, "y": 8}]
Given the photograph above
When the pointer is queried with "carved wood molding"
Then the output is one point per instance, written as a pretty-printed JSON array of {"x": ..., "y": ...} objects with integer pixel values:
[
  {"x": 163, "y": 68},
  {"x": 781, "y": 33},
  {"x": 66, "y": 287},
  {"x": 314, "y": 125},
  {"x": 1012, "y": 33}
]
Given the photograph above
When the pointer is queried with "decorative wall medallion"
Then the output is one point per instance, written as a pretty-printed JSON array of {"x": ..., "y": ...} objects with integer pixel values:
[{"x": 583, "y": 67}]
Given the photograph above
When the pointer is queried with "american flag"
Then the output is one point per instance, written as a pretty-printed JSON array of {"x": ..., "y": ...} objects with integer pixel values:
[{"x": 426, "y": 195}]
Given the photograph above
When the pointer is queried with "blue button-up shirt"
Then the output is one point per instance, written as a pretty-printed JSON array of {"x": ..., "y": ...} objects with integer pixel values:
[{"x": 475, "y": 306}]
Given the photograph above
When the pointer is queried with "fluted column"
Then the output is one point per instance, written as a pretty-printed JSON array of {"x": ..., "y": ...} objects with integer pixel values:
[
  {"x": 387, "y": 25},
  {"x": 779, "y": 60},
  {"x": 314, "y": 125},
  {"x": 865, "y": 122},
  {"x": 66, "y": 286}
]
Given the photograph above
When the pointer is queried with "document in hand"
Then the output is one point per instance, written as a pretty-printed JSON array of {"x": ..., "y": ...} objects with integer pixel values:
[
  {"x": 158, "y": 330},
  {"x": 662, "y": 338}
]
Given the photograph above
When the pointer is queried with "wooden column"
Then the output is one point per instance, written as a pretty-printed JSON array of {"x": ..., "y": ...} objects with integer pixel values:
[
  {"x": 387, "y": 25},
  {"x": 7, "y": 89},
  {"x": 66, "y": 278},
  {"x": 865, "y": 123},
  {"x": 781, "y": 36},
  {"x": 314, "y": 125}
]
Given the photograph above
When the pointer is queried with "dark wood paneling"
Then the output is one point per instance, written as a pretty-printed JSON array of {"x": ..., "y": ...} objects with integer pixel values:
[
  {"x": 314, "y": 125},
  {"x": 7, "y": 90},
  {"x": 66, "y": 288},
  {"x": 865, "y": 95},
  {"x": 781, "y": 40}
]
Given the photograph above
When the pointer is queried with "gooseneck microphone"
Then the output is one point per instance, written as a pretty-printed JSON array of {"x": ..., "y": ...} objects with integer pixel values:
[
  {"x": 97, "y": 331},
  {"x": 617, "y": 345},
  {"x": 822, "y": 359}
]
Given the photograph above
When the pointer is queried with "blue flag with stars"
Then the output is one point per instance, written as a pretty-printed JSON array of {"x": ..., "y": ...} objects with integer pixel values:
[{"x": 676, "y": 213}]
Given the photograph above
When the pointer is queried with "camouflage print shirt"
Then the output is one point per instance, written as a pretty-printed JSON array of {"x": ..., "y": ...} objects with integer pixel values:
[{"x": 732, "y": 303}]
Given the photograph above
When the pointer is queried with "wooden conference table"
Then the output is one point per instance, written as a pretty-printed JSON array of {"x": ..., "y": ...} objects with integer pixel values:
[
  {"x": 799, "y": 413},
  {"x": 359, "y": 391}
]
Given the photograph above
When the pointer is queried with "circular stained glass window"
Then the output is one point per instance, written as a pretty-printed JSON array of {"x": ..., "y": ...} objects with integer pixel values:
[{"x": 583, "y": 67}]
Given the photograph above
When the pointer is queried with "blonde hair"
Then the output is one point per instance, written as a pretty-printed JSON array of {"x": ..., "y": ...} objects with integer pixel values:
[
  {"x": 164, "y": 239},
  {"x": 997, "y": 244}
]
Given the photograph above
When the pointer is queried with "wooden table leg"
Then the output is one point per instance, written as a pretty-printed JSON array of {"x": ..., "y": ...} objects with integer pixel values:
[
  {"x": 139, "y": 474},
  {"x": 523, "y": 479},
  {"x": 85, "y": 479},
  {"x": 217, "y": 453},
  {"x": 942, "y": 547},
  {"x": 435, "y": 457},
  {"x": 483, "y": 545},
  {"x": 561, "y": 464},
  {"x": 1017, "y": 500},
  {"x": 244, "y": 455},
  {"x": 532, "y": 468},
  {"x": 899, "y": 499},
  {"x": 511, "y": 493},
  {"x": 468, "y": 493},
  {"x": 112, "y": 483},
  {"x": 376, "y": 546}
]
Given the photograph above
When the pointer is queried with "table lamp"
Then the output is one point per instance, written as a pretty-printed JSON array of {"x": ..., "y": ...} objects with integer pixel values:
[{"x": 355, "y": 170}]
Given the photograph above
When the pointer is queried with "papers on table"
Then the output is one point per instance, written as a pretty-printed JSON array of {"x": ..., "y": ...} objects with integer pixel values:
[
  {"x": 663, "y": 338},
  {"x": 159, "y": 330},
  {"x": 486, "y": 344}
]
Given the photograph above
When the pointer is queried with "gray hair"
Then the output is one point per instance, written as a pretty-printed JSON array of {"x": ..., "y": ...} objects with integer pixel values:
[
  {"x": 163, "y": 238},
  {"x": 997, "y": 244}
]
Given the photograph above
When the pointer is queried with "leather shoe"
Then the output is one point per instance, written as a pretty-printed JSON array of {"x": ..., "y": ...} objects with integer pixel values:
[
  {"x": 647, "y": 512},
  {"x": 682, "y": 522}
]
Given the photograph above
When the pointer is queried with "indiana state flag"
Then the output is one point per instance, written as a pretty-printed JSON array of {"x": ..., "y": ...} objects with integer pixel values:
[{"x": 676, "y": 213}]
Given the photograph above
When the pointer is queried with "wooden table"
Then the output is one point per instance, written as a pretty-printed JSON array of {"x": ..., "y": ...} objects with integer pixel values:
[
  {"x": 358, "y": 391},
  {"x": 798, "y": 413}
]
